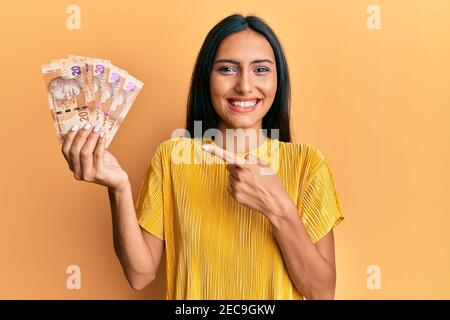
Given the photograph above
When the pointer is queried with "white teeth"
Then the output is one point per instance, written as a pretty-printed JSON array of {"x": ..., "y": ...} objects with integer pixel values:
[{"x": 243, "y": 104}]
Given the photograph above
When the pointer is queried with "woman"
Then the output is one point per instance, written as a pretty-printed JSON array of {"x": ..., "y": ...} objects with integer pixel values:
[{"x": 238, "y": 227}]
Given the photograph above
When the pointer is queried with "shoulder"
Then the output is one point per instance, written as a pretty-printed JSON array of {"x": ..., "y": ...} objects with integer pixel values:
[
  {"x": 305, "y": 153},
  {"x": 305, "y": 159}
]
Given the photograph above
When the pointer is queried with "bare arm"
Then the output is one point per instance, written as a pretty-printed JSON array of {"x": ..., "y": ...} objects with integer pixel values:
[
  {"x": 139, "y": 252},
  {"x": 310, "y": 266}
]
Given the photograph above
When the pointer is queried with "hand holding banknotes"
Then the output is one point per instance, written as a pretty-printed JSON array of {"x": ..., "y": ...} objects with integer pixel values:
[
  {"x": 84, "y": 150},
  {"x": 84, "y": 90},
  {"x": 89, "y": 99}
]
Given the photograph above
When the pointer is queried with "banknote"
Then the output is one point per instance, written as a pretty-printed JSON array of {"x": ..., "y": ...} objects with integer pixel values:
[
  {"x": 101, "y": 74},
  {"x": 85, "y": 89},
  {"x": 66, "y": 98},
  {"x": 96, "y": 70},
  {"x": 122, "y": 106},
  {"x": 88, "y": 77},
  {"x": 81, "y": 68},
  {"x": 112, "y": 93}
]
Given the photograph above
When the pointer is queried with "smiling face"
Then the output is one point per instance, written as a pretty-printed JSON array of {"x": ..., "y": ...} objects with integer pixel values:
[{"x": 243, "y": 80}]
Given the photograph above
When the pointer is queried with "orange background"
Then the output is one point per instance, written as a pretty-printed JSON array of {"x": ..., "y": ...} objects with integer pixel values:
[{"x": 375, "y": 102}]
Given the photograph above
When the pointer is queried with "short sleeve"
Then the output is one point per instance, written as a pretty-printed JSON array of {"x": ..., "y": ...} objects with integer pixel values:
[
  {"x": 320, "y": 208},
  {"x": 150, "y": 202}
]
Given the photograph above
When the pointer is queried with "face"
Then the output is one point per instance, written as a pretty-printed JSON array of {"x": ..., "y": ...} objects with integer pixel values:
[{"x": 243, "y": 80}]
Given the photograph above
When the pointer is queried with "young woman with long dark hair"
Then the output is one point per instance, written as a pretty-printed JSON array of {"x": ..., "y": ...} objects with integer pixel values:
[{"x": 242, "y": 211}]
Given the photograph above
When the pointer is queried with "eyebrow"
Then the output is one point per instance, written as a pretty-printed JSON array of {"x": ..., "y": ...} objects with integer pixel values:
[{"x": 237, "y": 62}]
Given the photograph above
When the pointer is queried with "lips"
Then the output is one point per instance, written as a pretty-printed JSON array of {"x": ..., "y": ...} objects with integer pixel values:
[{"x": 243, "y": 105}]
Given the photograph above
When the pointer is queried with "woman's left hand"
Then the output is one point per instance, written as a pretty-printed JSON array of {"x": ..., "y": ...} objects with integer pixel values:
[{"x": 253, "y": 182}]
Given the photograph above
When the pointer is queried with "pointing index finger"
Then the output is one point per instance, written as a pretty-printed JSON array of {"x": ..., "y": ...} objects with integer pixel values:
[{"x": 225, "y": 155}]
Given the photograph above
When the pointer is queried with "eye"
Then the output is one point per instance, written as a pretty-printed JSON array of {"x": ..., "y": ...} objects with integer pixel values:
[
  {"x": 225, "y": 69},
  {"x": 264, "y": 69}
]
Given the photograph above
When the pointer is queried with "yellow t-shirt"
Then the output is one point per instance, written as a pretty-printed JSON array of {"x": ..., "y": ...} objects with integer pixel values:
[{"x": 217, "y": 248}]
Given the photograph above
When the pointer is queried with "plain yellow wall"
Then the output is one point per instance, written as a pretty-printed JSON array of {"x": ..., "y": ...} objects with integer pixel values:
[{"x": 375, "y": 102}]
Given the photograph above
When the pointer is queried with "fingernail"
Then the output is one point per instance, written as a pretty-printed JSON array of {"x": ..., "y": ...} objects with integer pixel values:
[
  {"x": 87, "y": 126},
  {"x": 102, "y": 134},
  {"x": 75, "y": 128},
  {"x": 205, "y": 147},
  {"x": 97, "y": 127}
]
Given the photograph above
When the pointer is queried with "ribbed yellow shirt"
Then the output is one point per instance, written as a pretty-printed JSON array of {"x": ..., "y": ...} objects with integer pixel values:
[{"x": 217, "y": 248}]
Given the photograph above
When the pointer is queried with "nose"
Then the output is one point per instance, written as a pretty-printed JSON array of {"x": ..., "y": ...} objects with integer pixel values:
[{"x": 244, "y": 84}]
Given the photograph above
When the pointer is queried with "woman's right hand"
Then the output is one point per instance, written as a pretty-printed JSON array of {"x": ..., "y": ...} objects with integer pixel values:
[{"x": 84, "y": 151}]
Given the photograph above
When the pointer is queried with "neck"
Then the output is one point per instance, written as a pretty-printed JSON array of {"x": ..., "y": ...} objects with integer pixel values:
[{"x": 239, "y": 140}]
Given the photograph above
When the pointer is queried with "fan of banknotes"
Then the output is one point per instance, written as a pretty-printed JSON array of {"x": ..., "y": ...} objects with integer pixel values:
[{"x": 82, "y": 89}]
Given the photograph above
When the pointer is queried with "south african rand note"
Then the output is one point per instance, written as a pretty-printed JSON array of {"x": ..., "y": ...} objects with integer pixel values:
[
  {"x": 101, "y": 73},
  {"x": 66, "y": 98},
  {"x": 88, "y": 76},
  {"x": 86, "y": 72},
  {"x": 79, "y": 70},
  {"x": 121, "y": 107},
  {"x": 112, "y": 86}
]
